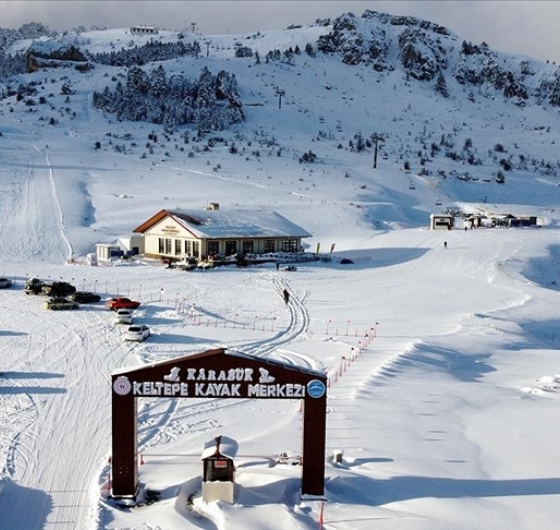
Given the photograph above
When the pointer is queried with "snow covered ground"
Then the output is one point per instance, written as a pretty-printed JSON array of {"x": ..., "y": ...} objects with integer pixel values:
[{"x": 446, "y": 412}]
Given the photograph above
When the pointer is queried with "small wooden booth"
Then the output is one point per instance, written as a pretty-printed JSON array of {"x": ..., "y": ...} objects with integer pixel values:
[{"x": 218, "y": 471}]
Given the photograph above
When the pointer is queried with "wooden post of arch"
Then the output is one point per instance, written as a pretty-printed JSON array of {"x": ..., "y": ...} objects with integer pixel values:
[
  {"x": 125, "y": 446},
  {"x": 314, "y": 441}
]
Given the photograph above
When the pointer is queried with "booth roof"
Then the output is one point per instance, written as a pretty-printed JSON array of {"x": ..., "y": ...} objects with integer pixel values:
[{"x": 223, "y": 445}]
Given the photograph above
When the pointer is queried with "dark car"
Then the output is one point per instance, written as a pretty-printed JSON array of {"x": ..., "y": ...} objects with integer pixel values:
[
  {"x": 121, "y": 303},
  {"x": 85, "y": 297},
  {"x": 58, "y": 289},
  {"x": 5, "y": 283},
  {"x": 34, "y": 285}
]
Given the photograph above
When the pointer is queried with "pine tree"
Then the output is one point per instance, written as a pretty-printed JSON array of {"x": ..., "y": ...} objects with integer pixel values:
[
  {"x": 204, "y": 102},
  {"x": 137, "y": 85},
  {"x": 441, "y": 85}
]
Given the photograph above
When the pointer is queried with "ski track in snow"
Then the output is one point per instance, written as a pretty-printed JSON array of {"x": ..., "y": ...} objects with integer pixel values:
[
  {"x": 63, "y": 404},
  {"x": 298, "y": 324},
  {"x": 30, "y": 207}
]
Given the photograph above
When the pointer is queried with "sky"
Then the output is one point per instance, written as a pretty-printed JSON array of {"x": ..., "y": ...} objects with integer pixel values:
[
  {"x": 526, "y": 27},
  {"x": 442, "y": 358}
]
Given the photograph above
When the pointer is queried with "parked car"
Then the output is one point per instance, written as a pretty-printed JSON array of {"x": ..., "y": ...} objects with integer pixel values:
[
  {"x": 137, "y": 333},
  {"x": 121, "y": 303},
  {"x": 186, "y": 264},
  {"x": 85, "y": 297},
  {"x": 34, "y": 286},
  {"x": 54, "y": 289},
  {"x": 5, "y": 283},
  {"x": 123, "y": 316},
  {"x": 58, "y": 289},
  {"x": 56, "y": 304}
]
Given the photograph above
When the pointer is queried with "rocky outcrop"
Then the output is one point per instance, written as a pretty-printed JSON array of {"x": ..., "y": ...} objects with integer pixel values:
[
  {"x": 422, "y": 56},
  {"x": 428, "y": 52},
  {"x": 478, "y": 65},
  {"x": 357, "y": 43}
]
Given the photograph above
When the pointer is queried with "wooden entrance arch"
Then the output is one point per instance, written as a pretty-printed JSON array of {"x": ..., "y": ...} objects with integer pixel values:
[{"x": 217, "y": 373}]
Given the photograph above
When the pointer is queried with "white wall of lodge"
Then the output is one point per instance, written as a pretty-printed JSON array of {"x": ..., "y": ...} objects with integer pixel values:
[{"x": 169, "y": 239}]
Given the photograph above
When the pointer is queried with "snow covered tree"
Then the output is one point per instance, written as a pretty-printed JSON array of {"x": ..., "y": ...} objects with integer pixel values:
[
  {"x": 211, "y": 102},
  {"x": 441, "y": 85},
  {"x": 135, "y": 95}
]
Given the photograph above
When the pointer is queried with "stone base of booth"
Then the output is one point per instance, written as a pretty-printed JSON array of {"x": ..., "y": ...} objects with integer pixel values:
[
  {"x": 308, "y": 497},
  {"x": 217, "y": 491}
]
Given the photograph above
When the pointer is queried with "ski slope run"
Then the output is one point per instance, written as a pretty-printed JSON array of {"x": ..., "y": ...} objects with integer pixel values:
[{"x": 32, "y": 220}]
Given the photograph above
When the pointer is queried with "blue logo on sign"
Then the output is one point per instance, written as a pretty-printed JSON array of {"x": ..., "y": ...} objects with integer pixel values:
[{"x": 316, "y": 388}]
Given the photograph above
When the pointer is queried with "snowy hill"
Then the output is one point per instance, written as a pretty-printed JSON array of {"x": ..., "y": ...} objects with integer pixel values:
[
  {"x": 442, "y": 359},
  {"x": 360, "y": 78}
]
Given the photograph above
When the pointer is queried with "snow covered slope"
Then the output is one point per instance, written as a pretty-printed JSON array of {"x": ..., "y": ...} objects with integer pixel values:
[{"x": 444, "y": 378}]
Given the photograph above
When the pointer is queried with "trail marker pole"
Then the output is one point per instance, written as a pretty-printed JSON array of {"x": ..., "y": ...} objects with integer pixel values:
[{"x": 321, "y": 516}]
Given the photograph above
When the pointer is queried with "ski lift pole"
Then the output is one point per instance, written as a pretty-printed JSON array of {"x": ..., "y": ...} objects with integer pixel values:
[
  {"x": 280, "y": 93},
  {"x": 376, "y": 138}
]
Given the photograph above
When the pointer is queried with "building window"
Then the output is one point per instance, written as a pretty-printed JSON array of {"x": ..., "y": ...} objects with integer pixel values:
[
  {"x": 161, "y": 244},
  {"x": 289, "y": 245},
  {"x": 213, "y": 247},
  {"x": 178, "y": 247},
  {"x": 196, "y": 249},
  {"x": 187, "y": 248},
  {"x": 168, "y": 246},
  {"x": 231, "y": 248},
  {"x": 247, "y": 247},
  {"x": 268, "y": 245}
]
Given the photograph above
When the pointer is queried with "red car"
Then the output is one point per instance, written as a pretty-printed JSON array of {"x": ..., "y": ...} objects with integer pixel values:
[{"x": 121, "y": 303}]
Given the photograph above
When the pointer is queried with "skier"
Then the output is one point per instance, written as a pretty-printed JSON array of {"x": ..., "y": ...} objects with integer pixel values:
[
  {"x": 445, "y": 244},
  {"x": 286, "y": 295}
]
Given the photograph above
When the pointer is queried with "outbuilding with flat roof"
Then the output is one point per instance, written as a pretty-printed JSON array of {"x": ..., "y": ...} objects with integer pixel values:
[{"x": 441, "y": 222}]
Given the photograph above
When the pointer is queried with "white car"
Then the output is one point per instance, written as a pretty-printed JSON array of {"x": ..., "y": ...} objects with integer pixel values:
[
  {"x": 123, "y": 316},
  {"x": 138, "y": 333}
]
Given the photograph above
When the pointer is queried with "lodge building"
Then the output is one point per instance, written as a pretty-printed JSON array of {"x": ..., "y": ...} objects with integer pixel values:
[
  {"x": 212, "y": 233},
  {"x": 144, "y": 30}
]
